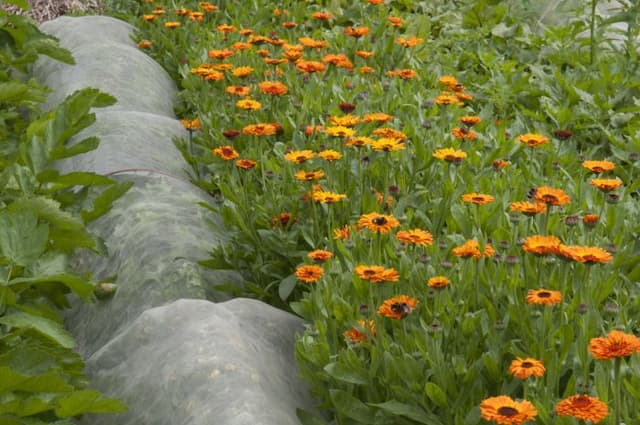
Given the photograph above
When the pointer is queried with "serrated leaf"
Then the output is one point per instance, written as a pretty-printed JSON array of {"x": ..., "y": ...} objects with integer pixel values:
[
  {"x": 410, "y": 411},
  {"x": 351, "y": 407},
  {"x": 83, "y": 146},
  {"x": 435, "y": 394},
  {"x": 104, "y": 202},
  {"x": 345, "y": 374},
  {"x": 67, "y": 241},
  {"x": 87, "y": 401},
  {"x": 48, "y": 210},
  {"x": 46, "y": 382},
  {"x": 286, "y": 287},
  {"x": 79, "y": 286},
  {"x": 22, "y": 239},
  {"x": 46, "y": 327}
]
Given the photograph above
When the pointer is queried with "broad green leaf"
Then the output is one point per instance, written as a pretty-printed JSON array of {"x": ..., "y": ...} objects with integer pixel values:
[
  {"x": 411, "y": 411},
  {"x": 49, "y": 47},
  {"x": 308, "y": 418},
  {"x": 22, "y": 239},
  {"x": 87, "y": 401},
  {"x": 286, "y": 287},
  {"x": 435, "y": 394},
  {"x": 104, "y": 202},
  {"x": 25, "y": 406},
  {"x": 78, "y": 178},
  {"x": 49, "y": 210},
  {"x": 343, "y": 373},
  {"x": 47, "y": 382},
  {"x": 67, "y": 241},
  {"x": 48, "y": 328},
  {"x": 79, "y": 286},
  {"x": 83, "y": 146},
  {"x": 351, "y": 407},
  {"x": 20, "y": 93}
]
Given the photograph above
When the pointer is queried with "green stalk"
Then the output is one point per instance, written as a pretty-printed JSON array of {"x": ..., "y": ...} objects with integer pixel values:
[
  {"x": 592, "y": 32},
  {"x": 617, "y": 393}
]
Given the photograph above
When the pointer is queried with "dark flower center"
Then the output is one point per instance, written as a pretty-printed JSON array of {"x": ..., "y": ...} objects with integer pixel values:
[
  {"x": 507, "y": 411},
  {"x": 527, "y": 364},
  {"x": 369, "y": 272},
  {"x": 544, "y": 294},
  {"x": 581, "y": 402},
  {"x": 401, "y": 308},
  {"x": 379, "y": 221},
  {"x": 549, "y": 199}
]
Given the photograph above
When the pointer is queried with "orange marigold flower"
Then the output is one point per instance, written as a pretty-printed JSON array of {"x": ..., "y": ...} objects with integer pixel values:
[
  {"x": 339, "y": 131},
  {"x": 499, "y": 164},
  {"x": 330, "y": 155},
  {"x": 191, "y": 125},
  {"x": 238, "y": 90},
  {"x": 299, "y": 157},
  {"x": 447, "y": 99},
  {"x": 309, "y": 66},
  {"x": 438, "y": 282},
  {"x": 388, "y": 144},
  {"x": 541, "y": 245},
  {"x": 239, "y": 45},
  {"x": 309, "y": 175},
  {"x": 471, "y": 248},
  {"x": 309, "y": 273},
  {"x": 389, "y": 133},
  {"x": 342, "y": 233},
  {"x": 145, "y": 44},
  {"x": 585, "y": 254},
  {"x": 358, "y": 142},
  {"x": 583, "y": 407},
  {"x": 477, "y": 198},
  {"x": 148, "y": 18},
  {"x": 464, "y": 134},
  {"x": 246, "y": 164},
  {"x": 462, "y": 96},
  {"x": 320, "y": 255},
  {"x": 343, "y": 121},
  {"x": 325, "y": 197},
  {"x": 544, "y": 297},
  {"x": 310, "y": 129},
  {"x": 226, "y": 29},
  {"x": 469, "y": 120},
  {"x": 395, "y": 21},
  {"x": 599, "y": 166},
  {"x": 289, "y": 24},
  {"x": 322, "y": 16},
  {"x": 615, "y": 344},
  {"x": 196, "y": 16},
  {"x": 415, "y": 236},
  {"x": 551, "y": 196},
  {"x": 273, "y": 87},
  {"x": 364, "y": 54},
  {"x": 405, "y": 74},
  {"x": 242, "y": 71},
  {"x": 356, "y": 32},
  {"x": 533, "y": 139},
  {"x": 220, "y": 54},
  {"x": 606, "y": 185},
  {"x": 376, "y": 274},
  {"x": 207, "y": 7},
  {"x": 361, "y": 332},
  {"x": 379, "y": 223},
  {"x": 450, "y": 155},
  {"x": 375, "y": 1},
  {"x": 398, "y": 307},
  {"x": 249, "y": 104},
  {"x": 379, "y": 117},
  {"x": 172, "y": 25},
  {"x": 506, "y": 411},
  {"x": 410, "y": 41},
  {"x": 225, "y": 152},
  {"x": 529, "y": 208},
  {"x": 261, "y": 129},
  {"x": 590, "y": 219},
  {"x": 524, "y": 368},
  {"x": 313, "y": 44},
  {"x": 449, "y": 81}
]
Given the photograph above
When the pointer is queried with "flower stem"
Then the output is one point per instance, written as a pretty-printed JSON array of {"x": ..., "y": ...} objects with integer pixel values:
[{"x": 617, "y": 381}]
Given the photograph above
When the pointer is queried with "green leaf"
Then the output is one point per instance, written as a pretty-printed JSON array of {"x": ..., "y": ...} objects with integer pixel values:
[
  {"x": 79, "y": 286},
  {"x": 351, "y": 407},
  {"x": 411, "y": 411},
  {"x": 286, "y": 287},
  {"x": 104, "y": 202},
  {"x": 47, "y": 382},
  {"x": 48, "y": 46},
  {"x": 435, "y": 394},
  {"x": 22, "y": 239},
  {"x": 308, "y": 418},
  {"x": 83, "y": 146},
  {"x": 87, "y": 401},
  {"x": 49, "y": 210},
  {"x": 21, "y": 93},
  {"x": 48, "y": 328},
  {"x": 78, "y": 178},
  {"x": 345, "y": 374}
]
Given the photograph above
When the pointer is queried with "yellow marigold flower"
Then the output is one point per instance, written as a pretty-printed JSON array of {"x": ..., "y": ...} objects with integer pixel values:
[
  {"x": 196, "y": 16},
  {"x": 172, "y": 25},
  {"x": 309, "y": 175},
  {"x": 541, "y": 245},
  {"x": 242, "y": 71},
  {"x": 379, "y": 223},
  {"x": 327, "y": 197},
  {"x": 309, "y": 273},
  {"x": 389, "y": 133},
  {"x": 583, "y": 407},
  {"x": 226, "y": 152},
  {"x": 606, "y": 185},
  {"x": 438, "y": 282},
  {"x": 191, "y": 125},
  {"x": 376, "y": 274},
  {"x": 145, "y": 44},
  {"x": 471, "y": 248},
  {"x": 551, "y": 196},
  {"x": 226, "y": 29},
  {"x": 239, "y": 45},
  {"x": 388, "y": 144},
  {"x": 299, "y": 157},
  {"x": 273, "y": 87},
  {"x": 358, "y": 142},
  {"x": 525, "y": 368},
  {"x": 477, "y": 198},
  {"x": 532, "y": 139},
  {"x": 313, "y": 44},
  {"x": 320, "y": 255},
  {"x": 398, "y": 307},
  {"x": 410, "y": 41},
  {"x": 261, "y": 129},
  {"x": 599, "y": 166},
  {"x": 339, "y": 131},
  {"x": 405, "y": 74},
  {"x": 449, "y": 81},
  {"x": 529, "y": 208},
  {"x": 469, "y": 120},
  {"x": 585, "y": 254},
  {"x": 505, "y": 411},
  {"x": 342, "y": 233},
  {"x": 364, "y": 54},
  {"x": 361, "y": 332},
  {"x": 249, "y": 104},
  {"x": 148, "y": 18},
  {"x": 450, "y": 155},
  {"x": 544, "y": 297},
  {"x": 379, "y": 117},
  {"x": 344, "y": 121},
  {"x": 464, "y": 134},
  {"x": 615, "y": 344},
  {"x": 245, "y": 164},
  {"x": 447, "y": 99},
  {"x": 415, "y": 236},
  {"x": 330, "y": 155},
  {"x": 220, "y": 54},
  {"x": 238, "y": 90}
]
